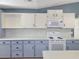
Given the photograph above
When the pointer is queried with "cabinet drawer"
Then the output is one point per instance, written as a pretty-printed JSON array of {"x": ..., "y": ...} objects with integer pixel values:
[
  {"x": 28, "y": 42},
  {"x": 5, "y": 42},
  {"x": 16, "y": 42},
  {"x": 4, "y": 51},
  {"x": 41, "y": 41},
  {"x": 72, "y": 42},
  {"x": 72, "y": 46},
  {"x": 16, "y": 47},
  {"x": 17, "y": 54}
]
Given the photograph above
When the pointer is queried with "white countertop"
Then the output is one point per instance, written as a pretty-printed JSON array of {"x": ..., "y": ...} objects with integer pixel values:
[{"x": 61, "y": 55}]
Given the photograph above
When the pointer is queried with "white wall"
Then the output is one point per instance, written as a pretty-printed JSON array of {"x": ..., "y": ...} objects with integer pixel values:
[
  {"x": 34, "y": 33},
  {"x": 34, "y": 3}
]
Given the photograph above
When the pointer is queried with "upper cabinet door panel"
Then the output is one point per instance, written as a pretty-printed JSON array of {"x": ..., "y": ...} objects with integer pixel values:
[
  {"x": 55, "y": 14},
  {"x": 69, "y": 20},
  {"x": 41, "y": 20},
  {"x": 11, "y": 20},
  {"x": 17, "y": 20},
  {"x": 27, "y": 20}
]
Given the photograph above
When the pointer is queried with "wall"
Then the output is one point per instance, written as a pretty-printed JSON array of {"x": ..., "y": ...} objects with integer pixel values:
[{"x": 73, "y": 7}]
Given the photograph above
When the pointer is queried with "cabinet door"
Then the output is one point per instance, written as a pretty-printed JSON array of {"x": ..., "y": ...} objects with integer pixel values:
[
  {"x": 17, "y": 45},
  {"x": 40, "y": 46},
  {"x": 72, "y": 45},
  {"x": 27, "y": 20},
  {"x": 76, "y": 29},
  {"x": 41, "y": 20},
  {"x": 17, "y": 54},
  {"x": 55, "y": 14},
  {"x": 28, "y": 48},
  {"x": 11, "y": 20},
  {"x": 4, "y": 49},
  {"x": 2, "y": 34},
  {"x": 69, "y": 20}
]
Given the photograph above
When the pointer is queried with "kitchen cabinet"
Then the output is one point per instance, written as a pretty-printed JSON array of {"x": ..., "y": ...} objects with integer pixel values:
[
  {"x": 29, "y": 48},
  {"x": 40, "y": 46},
  {"x": 24, "y": 20},
  {"x": 55, "y": 14},
  {"x": 17, "y": 49},
  {"x": 72, "y": 45},
  {"x": 69, "y": 20},
  {"x": 41, "y": 20},
  {"x": 17, "y": 20},
  {"x": 4, "y": 49},
  {"x": 27, "y": 20},
  {"x": 11, "y": 20}
]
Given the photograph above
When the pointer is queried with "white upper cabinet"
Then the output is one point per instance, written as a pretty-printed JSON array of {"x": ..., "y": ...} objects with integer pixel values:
[
  {"x": 41, "y": 20},
  {"x": 69, "y": 20},
  {"x": 17, "y": 20},
  {"x": 27, "y": 20},
  {"x": 24, "y": 20},
  {"x": 11, "y": 20}
]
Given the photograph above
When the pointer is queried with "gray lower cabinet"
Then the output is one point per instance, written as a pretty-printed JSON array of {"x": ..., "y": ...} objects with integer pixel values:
[
  {"x": 40, "y": 46},
  {"x": 4, "y": 49},
  {"x": 17, "y": 49},
  {"x": 72, "y": 45},
  {"x": 29, "y": 47}
]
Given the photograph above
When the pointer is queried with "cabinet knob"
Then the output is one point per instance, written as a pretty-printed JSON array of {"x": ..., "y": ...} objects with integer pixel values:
[
  {"x": 72, "y": 41},
  {"x": 3, "y": 42},
  {"x": 17, "y": 42},
  {"x": 17, "y": 54},
  {"x": 17, "y": 47},
  {"x": 41, "y": 41}
]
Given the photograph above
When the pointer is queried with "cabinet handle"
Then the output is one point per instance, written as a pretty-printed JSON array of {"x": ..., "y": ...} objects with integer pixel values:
[
  {"x": 32, "y": 47},
  {"x": 46, "y": 47},
  {"x": 34, "y": 25},
  {"x": 45, "y": 24},
  {"x": 64, "y": 24},
  {"x": 41, "y": 41},
  {"x": 17, "y": 54},
  {"x": 67, "y": 47}
]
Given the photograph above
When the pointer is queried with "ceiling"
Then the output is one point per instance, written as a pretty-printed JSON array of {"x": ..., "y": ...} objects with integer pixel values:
[{"x": 33, "y": 4}]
